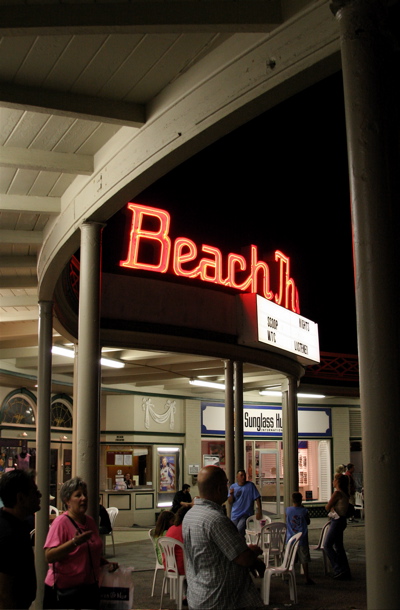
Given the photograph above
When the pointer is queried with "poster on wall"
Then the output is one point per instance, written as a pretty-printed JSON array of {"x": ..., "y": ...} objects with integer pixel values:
[{"x": 167, "y": 473}]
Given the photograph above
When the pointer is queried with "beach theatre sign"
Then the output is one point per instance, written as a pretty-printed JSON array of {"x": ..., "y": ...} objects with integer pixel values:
[{"x": 271, "y": 307}]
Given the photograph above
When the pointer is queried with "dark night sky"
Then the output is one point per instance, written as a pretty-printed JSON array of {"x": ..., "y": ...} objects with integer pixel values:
[{"x": 280, "y": 182}]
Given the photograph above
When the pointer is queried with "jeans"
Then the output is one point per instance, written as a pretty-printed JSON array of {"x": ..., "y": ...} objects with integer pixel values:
[
  {"x": 241, "y": 524},
  {"x": 334, "y": 546}
]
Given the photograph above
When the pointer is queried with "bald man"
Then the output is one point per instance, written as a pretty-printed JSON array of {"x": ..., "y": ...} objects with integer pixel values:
[{"x": 218, "y": 560}]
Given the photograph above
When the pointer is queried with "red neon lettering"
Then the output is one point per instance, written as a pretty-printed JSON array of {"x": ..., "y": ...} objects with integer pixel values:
[
  {"x": 180, "y": 258},
  {"x": 256, "y": 267},
  {"x": 233, "y": 260},
  {"x": 208, "y": 269},
  {"x": 287, "y": 286},
  {"x": 138, "y": 234},
  {"x": 215, "y": 265}
]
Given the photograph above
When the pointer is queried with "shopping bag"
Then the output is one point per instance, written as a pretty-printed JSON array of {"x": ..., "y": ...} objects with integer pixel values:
[{"x": 116, "y": 589}]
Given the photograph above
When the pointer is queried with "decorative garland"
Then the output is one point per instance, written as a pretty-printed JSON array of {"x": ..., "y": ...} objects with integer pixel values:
[{"x": 159, "y": 418}]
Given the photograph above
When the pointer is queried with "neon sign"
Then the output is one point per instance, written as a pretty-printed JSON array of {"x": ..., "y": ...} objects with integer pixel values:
[{"x": 150, "y": 228}]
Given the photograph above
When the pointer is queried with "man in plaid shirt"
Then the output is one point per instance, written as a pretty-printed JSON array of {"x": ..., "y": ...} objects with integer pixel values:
[{"x": 218, "y": 560}]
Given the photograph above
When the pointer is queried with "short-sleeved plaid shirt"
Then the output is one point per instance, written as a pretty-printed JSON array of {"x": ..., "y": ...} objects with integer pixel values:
[{"x": 212, "y": 542}]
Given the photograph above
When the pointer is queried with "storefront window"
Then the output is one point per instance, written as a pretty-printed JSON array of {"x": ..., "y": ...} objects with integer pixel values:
[
  {"x": 134, "y": 460},
  {"x": 264, "y": 466}
]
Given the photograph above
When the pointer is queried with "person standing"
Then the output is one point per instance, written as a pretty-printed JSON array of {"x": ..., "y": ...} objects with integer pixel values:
[
  {"x": 21, "y": 499},
  {"x": 182, "y": 498},
  {"x": 242, "y": 496},
  {"x": 298, "y": 520},
  {"x": 218, "y": 560},
  {"x": 73, "y": 548},
  {"x": 337, "y": 508},
  {"x": 352, "y": 486}
]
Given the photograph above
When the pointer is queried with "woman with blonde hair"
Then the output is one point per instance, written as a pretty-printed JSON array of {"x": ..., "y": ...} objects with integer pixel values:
[{"x": 337, "y": 508}]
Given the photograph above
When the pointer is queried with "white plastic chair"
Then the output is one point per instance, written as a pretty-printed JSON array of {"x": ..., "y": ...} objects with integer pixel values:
[
  {"x": 272, "y": 541},
  {"x": 168, "y": 546},
  {"x": 113, "y": 514},
  {"x": 253, "y": 529},
  {"x": 359, "y": 505},
  {"x": 320, "y": 546},
  {"x": 53, "y": 509},
  {"x": 158, "y": 566},
  {"x": 287, "y": 567}
]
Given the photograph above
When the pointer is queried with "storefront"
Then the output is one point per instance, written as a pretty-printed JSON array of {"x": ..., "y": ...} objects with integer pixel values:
[{"x": 264, "y": 450}]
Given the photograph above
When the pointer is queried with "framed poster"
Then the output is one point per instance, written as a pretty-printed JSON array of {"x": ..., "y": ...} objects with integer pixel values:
[
  {"x": 167, "y": 473},
  {"x": 217, "y": 448}
]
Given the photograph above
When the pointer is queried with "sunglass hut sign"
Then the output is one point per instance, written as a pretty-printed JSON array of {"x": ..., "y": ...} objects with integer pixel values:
[{"x": 150, "y": 227}]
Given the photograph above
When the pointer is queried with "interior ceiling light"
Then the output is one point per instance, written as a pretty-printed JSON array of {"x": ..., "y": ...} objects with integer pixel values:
[
  {"x": 207, "y": 384},
  {"x": 62, "y": 351},
  {"x": 116, "y": 364},
  {"x": 69, "y": 353},
  {"x": 299, "y": 395}
]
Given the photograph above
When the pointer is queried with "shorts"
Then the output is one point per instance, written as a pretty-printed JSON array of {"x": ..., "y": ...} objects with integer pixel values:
[{"x": 303, "y": 554}]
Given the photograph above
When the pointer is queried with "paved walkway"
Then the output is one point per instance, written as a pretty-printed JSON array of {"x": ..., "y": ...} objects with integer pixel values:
[{"x": 133, "y": 548}]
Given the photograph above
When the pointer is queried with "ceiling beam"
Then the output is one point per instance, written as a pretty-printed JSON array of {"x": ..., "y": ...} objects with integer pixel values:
[
  {"x": 27, "y": 203},
  {"x": 138, "y": 16},
  {"x": 19, "y": 352},
  {"x": 60, "y": 103},
  {"x": 31, "y": 158},
  {"x": 8, "y": 236},
  {"x": 19, "y": 315},
  {"x": 18, "y": 262},
  {"x": 18, "y": 281},
  {"x": 23, "y": 300}
]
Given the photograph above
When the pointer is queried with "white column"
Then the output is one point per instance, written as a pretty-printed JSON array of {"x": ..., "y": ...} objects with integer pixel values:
[
  {"x": 43, "y": 441},
  {"x": 88, "y": 402},
  {"x": 370, "y": 76},
  {"x": 238, "y": 395},
  {"x": 229, "y": 423},
  {"x": 290, "y": 435}
]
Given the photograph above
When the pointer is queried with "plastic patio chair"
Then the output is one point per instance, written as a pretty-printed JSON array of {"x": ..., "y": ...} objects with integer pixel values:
[
  {"x": 159, "y": 566},
  {"x": 54, "y": 510},
  {"x": 287, "y": 567},
  {"x": 272, "y": 541},
  {"x": 113, "y": 514},
  {"x": 359, "y": 505},
  {"x": 253, "y": 528},
  {"x": 171, "y": 573},
  {"x": 320, "y": 545}
]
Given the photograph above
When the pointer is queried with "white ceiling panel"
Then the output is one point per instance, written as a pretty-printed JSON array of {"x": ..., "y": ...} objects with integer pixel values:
[{"x": 40, "y": 59}]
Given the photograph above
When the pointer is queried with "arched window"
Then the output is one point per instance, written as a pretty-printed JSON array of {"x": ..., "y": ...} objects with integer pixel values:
[
  {"x": 19, "y": 407},
  {"x": 61, "y": 411}
]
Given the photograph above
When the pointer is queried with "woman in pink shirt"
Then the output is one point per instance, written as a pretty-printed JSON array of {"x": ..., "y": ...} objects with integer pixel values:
[{"x": 73, "y": 549}]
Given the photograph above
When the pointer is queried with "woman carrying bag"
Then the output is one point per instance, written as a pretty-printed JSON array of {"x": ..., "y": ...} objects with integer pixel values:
[{"x": 73, "y": 549}]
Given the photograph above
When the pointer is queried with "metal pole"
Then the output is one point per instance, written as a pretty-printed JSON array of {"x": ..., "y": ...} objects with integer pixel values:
[
  {"x": 290, "y": 440},
  {"x": 370, "y": 69},
  {"x": 229, "y": 423},
  {"x": 238, "y": 396},
  {"x": 43, "y": 441},
  {"x": 88, "y": 407}
]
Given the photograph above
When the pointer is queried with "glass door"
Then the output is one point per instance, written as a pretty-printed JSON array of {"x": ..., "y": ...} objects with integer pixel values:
[{"x": 270, "y": 483}]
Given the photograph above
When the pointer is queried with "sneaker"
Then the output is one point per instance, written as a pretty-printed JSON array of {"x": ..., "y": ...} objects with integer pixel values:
[{"x": 342, "y": 576}]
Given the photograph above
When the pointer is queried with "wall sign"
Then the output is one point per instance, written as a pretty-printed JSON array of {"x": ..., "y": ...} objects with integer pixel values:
[
  {"x": 151, "y": 249},
  {"x": 266, "y": 421}
]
